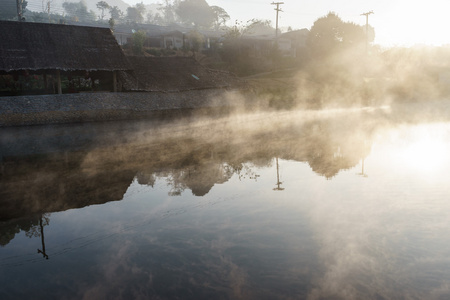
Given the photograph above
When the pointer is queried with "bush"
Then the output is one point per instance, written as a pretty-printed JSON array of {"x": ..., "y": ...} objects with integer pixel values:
[{"x": 138, "y": 42}]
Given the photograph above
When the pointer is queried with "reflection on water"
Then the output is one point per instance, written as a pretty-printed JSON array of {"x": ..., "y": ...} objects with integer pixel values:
[{"x": 342, "y": 206}]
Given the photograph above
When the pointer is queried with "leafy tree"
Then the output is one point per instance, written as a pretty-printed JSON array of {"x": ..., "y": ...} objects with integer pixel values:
[
  {"x": 259, "y": 27},
  {"x": 169, "y": 12},
  {"x": 330, "y": 36},
  {"x": 115, "y": 12},
  {"x": 196, "y": 40},
  {"x": 79, "y": 11},
  {"x": 8, "y": 9},
  {"x": 252, "y": 27},
  {"x": 221, "y": 16},
  {"x": 196, "y": 12},
  {"x": 149, "y": 18},
  {"x": 102, "y": 5},
  {"x": 133, "y": 15},
  {"x": 141, "y": 8},
  {"x": 158, "y": 19},
  {"x": 136, "y": 13},
  {"x": 235, "y": 32},
  {"x": 232, "y": 44}
]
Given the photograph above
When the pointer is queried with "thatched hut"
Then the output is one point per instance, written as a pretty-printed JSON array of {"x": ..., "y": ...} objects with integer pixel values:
[{"x": 50, "y": 53}]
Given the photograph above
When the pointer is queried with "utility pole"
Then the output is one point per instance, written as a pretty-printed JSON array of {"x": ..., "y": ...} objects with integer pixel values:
[
  {"x": 367, "y": 14},
  {"x": 278, "y": 9}
]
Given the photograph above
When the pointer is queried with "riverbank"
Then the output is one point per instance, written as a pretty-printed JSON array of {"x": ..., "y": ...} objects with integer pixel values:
[{"x": 104, "y": 106}]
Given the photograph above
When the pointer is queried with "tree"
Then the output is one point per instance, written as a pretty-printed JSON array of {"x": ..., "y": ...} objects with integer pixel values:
[
  {"x": 47, "y": 7},
  {"x": 259, "y": 27},
  {"x": 133, "y": 15},
  {"x": 331, "y": 36},
  {"x": 169, "y": 12},
  {"x": 221, "y": 16},
  {"x": 141, "y": 8},
  {"x": 79, "y": 11},
  {"x": 196, "y": 12},
  {"x": 149, "y": 18},
  {"x": 158, "y": 19},
  {"x": 115, "y": 13},
  {"x": 8, "y": 9},
  {"x": 102, "y": 5},
  {"x": 196, "y": 40},
  {"x": 136, "y": 13}
]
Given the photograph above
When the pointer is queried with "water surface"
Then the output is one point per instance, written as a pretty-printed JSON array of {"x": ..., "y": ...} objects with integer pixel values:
[{"x": 349, "y": 204}]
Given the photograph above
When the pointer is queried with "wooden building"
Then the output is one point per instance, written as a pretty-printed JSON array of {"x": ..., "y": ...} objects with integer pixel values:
[{"x": 52, "y": 58}]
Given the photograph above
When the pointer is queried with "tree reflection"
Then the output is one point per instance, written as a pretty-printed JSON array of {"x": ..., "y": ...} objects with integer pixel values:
[
  {"x": 185, "y": 158},
  {"x": 32, "y": 226},
  {"x": 41, "y": 227}
]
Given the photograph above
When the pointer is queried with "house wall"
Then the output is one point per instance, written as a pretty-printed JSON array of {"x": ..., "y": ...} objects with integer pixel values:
[
  {"x": 122, "y": 38},
  {"x": 173, "y": 42}
]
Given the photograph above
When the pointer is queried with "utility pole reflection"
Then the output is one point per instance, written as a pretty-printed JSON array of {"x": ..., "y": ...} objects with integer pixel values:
[
  {"x": 362, "y": 169},
  {"x": 278, "y": 184},
  {"x": 44, "y": 254}
]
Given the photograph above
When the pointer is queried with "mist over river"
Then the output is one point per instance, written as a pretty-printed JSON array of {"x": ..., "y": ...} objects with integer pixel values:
[{"x": 329, "y": 204}]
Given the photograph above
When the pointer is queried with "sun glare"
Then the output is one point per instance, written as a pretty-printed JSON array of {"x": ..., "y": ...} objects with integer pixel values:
[
  {"x": 426, "y": 151},
  {"x": 421, "y": 23},
  {"x": 425, "y": 154}
]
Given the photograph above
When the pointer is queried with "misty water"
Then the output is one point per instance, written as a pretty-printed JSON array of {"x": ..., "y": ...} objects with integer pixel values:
[{"x": 333, "y": 204}]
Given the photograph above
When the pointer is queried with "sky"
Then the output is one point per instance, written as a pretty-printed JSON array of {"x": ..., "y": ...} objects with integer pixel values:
[{"x": 396, "y": 22}]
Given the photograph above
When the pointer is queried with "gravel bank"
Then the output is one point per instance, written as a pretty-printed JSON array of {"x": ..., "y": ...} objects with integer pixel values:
[{"x": 88, "y": 107}]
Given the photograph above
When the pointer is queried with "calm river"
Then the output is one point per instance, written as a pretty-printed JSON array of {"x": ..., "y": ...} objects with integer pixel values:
[{"x": 342, "y": 204}]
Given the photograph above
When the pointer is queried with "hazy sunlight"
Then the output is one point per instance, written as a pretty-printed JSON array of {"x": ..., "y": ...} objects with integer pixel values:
[{"x": 426, "y": 150}]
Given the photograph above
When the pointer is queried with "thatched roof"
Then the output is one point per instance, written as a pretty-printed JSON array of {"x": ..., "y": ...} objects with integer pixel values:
[
  {"x": 175, "y": 74},
  {"x": 40, "y": 46}
]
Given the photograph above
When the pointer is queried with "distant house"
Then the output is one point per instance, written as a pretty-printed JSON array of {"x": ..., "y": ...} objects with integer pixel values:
[
  {"x": 123, "y": 36},
  {"x": 38, "y": 57},
  {"x": 257, "y": 46},
  {"x": 290, "y": 43},
  {"x": 165, "y": 37},
  {"x": 174, "y": 39},
  {"x": 293, "y": 42}
]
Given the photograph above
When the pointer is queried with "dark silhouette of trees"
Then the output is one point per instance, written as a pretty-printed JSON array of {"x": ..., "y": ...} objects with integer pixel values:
[
  {"x": 102, "y": 6},
  {"x": 115, "y": 13},
  {"x": 8, "y": 230},
  {"x": 330, "y": 36},
  {"x": 169, "y": 14},
  {"x": 78, "y": 11},
  {"x": 196, "y": 12},
  {"x": 136, "y": 13},
  {"x": 259, "y": 27},
  {"x": 221, "y": 16}
]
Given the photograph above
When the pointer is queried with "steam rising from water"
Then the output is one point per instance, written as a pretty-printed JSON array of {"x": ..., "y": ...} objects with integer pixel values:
[{"x": 352, "y": 78}]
